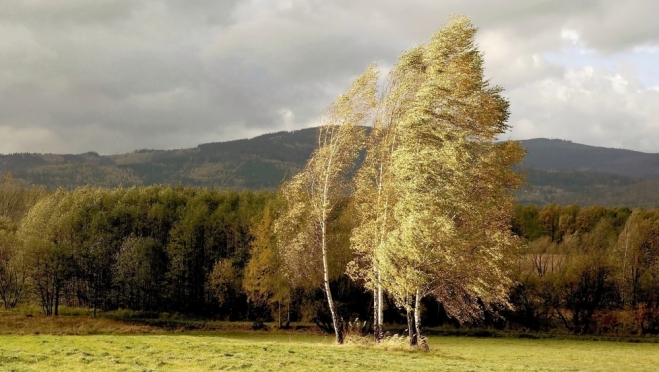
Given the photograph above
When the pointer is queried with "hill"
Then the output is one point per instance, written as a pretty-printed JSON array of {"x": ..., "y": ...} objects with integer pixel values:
[
  {"x": 587, "y": 188},
  {"x": 558, "y": 171},
  {"x": 565, "y": 172},
  {"x": 560, "y": 155},
  {"x": 261, "y": 162}
]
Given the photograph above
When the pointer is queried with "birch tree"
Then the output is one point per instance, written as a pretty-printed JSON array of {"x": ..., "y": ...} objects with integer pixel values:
[
  {"x": 13, "y": 271},
  {"x": 453, "y": 183},
  {"x": 375, "y": 192},
  {"x": 634, "y": 255},
  {"x": 372, "y": 200},
  {"x": 312, "y": 194}
]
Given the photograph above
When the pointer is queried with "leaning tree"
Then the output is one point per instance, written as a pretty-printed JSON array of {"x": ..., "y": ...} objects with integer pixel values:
[
  {"x": 436, "y": 188},
  {"x": 312, "y": 195}
]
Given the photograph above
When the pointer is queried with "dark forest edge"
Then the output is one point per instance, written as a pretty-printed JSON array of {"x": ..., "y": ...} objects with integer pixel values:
[{"x": 204, "y": 254}]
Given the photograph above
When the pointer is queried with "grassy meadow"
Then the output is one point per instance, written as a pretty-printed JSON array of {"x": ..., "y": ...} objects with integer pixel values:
[{"x": 147, "y": 349}]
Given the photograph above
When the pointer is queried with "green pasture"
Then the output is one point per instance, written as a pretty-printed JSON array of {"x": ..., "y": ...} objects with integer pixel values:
[{"x": 257, "y": 351}]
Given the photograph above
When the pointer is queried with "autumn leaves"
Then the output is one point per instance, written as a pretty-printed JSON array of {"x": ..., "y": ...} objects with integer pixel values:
[{"x": 432, "y": 197}]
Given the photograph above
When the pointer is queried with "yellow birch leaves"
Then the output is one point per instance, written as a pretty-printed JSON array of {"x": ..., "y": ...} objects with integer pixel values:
[{"x": 434, "y": 193}]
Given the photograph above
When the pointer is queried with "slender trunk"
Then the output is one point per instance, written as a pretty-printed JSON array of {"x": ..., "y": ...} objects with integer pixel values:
[
  {"x": 379, "y": 332},
  {"x": 562, "y": 317},
  {"x": 279, "y": 311},
  {"x": 56, "y": 300},
  {"x": 377, "y": 292},
  {"x": 5, "y": 298},
  {"x": 330, "y": 302},
  {"x": 624, "y": 260},
  {"x": 380, "y": 301},
  {"x": 411, "y": 327},
  {"x": 421, "y": 341},
  {"x": 324, "y": 205},
  {"x": 376, "y": 325}
]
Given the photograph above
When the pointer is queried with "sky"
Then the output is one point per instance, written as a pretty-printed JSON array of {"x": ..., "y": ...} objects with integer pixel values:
[{"x": 114, "y": 76}]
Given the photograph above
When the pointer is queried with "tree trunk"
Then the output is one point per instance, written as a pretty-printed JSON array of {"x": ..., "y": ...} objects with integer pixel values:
[
  {"x": 411, "y": 327},
  {"x": 279, "y": 311},
  {"x": 421, "y": 341},
  {"x": 376, "y": 325},
  {"x": 380, "y": 309},
  {"x": 379, "y": 315},
  {"x": 288, "y": 314},
  {"x": 338, "y": 332},
  {"x": 57, "y": 301}
]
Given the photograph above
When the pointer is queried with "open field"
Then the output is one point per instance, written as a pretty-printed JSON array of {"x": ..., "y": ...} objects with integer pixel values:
[{"x": 305, "y": 352}]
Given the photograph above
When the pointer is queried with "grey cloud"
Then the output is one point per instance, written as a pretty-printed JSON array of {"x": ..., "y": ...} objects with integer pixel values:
[
  {"x": 595, "y": 107},
  {"x": 46, "y": 13},
  {"x": 620, "y": 25},
  {"x": 117, "y": 75}
]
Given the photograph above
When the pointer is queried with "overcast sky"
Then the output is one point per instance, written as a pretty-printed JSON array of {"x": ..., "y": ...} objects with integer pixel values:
[{"x": 114, "y": 76}]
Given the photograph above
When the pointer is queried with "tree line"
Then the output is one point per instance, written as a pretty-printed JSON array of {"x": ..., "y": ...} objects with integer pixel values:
[
  {"x": 589, "y": 270},
  {"x": 144, "y": 248},
  {"x": 155, "y": 249},
  {"x": 214, "y": 254}
]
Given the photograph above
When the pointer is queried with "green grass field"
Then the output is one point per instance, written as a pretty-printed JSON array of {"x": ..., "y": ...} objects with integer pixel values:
[{"x": 260, "y": 351}]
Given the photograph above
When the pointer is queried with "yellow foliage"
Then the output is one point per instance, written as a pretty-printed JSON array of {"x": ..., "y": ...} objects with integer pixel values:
[{"x": 434, "y": 195}]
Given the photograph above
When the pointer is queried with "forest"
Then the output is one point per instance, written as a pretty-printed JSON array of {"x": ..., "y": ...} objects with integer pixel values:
[{"x": 204, "y": 253}]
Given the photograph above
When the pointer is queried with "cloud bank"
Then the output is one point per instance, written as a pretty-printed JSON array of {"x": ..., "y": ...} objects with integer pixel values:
[{"x": 116, "y": 75}]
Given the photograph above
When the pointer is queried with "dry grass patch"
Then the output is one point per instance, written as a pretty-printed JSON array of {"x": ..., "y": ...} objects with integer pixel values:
[{"x": 22, "y": 324}]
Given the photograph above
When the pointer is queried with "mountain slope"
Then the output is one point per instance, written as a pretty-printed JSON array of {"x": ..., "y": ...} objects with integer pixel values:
[
  {"x": 262, "y": 162},
  {"x": 558, "y": 171},
  {"x": 563, "y": 155}
]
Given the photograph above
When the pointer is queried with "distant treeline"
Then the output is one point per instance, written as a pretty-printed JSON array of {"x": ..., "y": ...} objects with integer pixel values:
[
  {"x": 150, "y": 249},
  {"x": 208, "y": 253},
  {"x": 590, "y": 270}
]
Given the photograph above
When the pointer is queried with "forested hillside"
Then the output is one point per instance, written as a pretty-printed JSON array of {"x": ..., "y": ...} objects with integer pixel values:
[
  {"x": 558, "y": 171},
  {"x": 563, "y": 155},
  {"x": 259, "y": 163},
  {"x": 564, "y": 172},
  {"x": 587, "y": 188}
]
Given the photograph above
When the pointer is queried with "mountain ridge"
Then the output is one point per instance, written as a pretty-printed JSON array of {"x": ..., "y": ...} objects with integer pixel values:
[
  {"x": 560, "y": 171},
  {"x": 567, "y": 155}
]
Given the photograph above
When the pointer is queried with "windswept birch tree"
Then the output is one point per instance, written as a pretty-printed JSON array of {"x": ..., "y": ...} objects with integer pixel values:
[
  {"x": 311, "y": 195},
  {"x": 435, "y": 203},
  {"x": 375, "y": 192}
]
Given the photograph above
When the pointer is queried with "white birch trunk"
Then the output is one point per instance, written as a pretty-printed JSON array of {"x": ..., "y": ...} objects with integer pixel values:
[
  {"x": 328, "y": 293},
  {"x": 420, "y": 340},
  {"x": 380, "y": 310}
]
